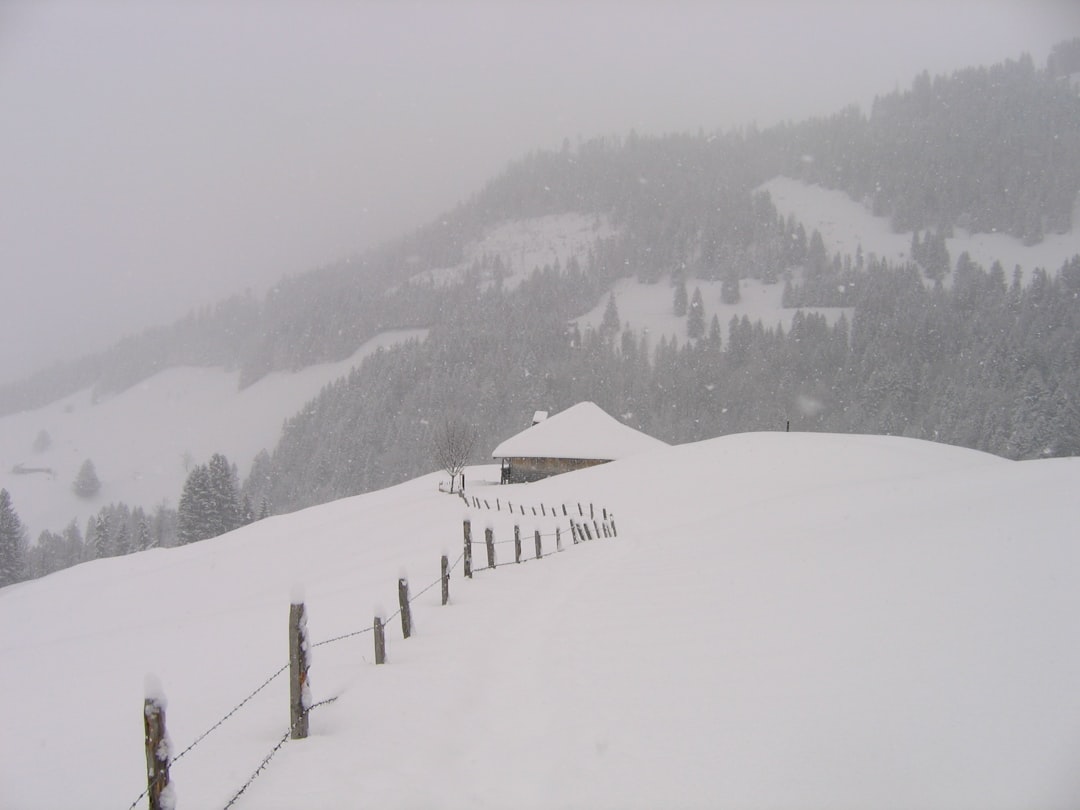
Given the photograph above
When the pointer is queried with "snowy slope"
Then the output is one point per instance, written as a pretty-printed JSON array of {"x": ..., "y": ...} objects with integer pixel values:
[
  {"x": 845, "y": 224},
  {"x": 649, "y": 307},
  {"x": 143, "y": 440},
  {"x": 786, "y": 620},
  {"x": 527, "y": 244}
]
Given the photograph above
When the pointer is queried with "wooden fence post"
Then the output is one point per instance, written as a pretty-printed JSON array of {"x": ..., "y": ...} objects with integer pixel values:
[
  {"x": 299, "y": 690},
  {"x": 558, "y": 539},
  {"x": 592, "y": 515},
  {"x": 614, "y": 531},
  {"x": 564, "y": 510},
  {"x": 445, "y": 579},
  {"x": 588, "y": 534},
  {"x": 580, "y": 511},
  {"x": 605, "y": 513},
  {"x": 468, "y": 549},
  {"x": 380, "y": 641},
  {"x": 403, "y": 603},
  {"x": 597, "y": 527},
  {"x": 574, "y": 532},
  {"x": 158, "y": 788},
  {"x": 489, "y": 541},
  {"x": 543, "y": 511},
  {"x": 538, "y": 550},
  {"x": 517, "y": 543},
  {"x": 498, "y": 506}
]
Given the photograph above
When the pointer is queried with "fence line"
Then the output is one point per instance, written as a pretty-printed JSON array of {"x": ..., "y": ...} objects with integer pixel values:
[{"x": 407, "y": 600}]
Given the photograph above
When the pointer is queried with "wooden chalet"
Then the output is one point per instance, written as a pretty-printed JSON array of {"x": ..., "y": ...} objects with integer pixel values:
[{"x": 579, "y": 437}]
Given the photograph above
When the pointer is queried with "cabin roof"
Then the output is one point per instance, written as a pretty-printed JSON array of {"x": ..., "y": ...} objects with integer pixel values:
[{"x": 583, "y": 431}]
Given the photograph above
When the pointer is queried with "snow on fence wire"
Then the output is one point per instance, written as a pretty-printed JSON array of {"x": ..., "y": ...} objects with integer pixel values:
[{"x": 160, "y": 793}]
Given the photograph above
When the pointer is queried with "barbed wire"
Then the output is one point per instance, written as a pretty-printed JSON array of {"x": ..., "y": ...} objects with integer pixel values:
[
  {"x": 343, "y": 636},
  {"x": 235, "y": 709},
  {"x": 274, "y": 750}
]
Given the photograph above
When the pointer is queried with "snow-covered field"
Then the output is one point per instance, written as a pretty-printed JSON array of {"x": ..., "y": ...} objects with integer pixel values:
[
  {"x": 785, "y": 621},
  {"x": 143, "y": 440},
  {"x": 527, "y": 244},
  {"x": 650, "y": 307},
  {"x": 845, "y": 224}
]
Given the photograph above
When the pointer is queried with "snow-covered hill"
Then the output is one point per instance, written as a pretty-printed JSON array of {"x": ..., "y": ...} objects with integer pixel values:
[
  {"x": 785, "y": 620},
  {"x": 648, "y": 308},
  {"x": 845, "y": 224},
  {"x": 143, "y": 441},
  {"x": 524, "y": 245}
]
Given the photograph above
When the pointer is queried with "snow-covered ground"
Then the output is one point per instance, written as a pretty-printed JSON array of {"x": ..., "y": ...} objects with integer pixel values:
[
  {"x": 527, "y": 244},
  {"x": 143, "y": 441},
  {"x": 785, "y": 620},
  {"x": 651, "y": 307},
  {"x": 845, "y": 224}
]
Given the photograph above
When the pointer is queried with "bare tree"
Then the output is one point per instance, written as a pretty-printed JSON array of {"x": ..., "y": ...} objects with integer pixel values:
[{"x": 453, "y": 445}]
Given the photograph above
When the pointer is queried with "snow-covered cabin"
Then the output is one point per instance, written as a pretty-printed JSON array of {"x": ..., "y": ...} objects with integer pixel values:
[{"x": 579, "y": 437}]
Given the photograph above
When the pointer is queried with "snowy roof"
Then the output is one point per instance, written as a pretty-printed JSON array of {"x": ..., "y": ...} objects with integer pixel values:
[{"x": 583, "y": 431}]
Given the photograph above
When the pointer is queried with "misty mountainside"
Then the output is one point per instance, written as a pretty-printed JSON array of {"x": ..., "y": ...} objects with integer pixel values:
[{"x": 524, "y": 292}]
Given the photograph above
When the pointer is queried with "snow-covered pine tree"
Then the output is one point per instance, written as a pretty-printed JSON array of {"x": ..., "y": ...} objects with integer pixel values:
[
  {"x": 12, "y": 543},
  {"x": 192, "y": 524},
  {"x": 102, "y": 539},
  {"x": 87, "y": 484},
  {"x": 225, "y": 495},
  {"x": 695, "y": 318}
]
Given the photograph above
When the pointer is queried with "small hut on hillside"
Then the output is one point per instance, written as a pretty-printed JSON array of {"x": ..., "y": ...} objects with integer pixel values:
[{"x": 579, "y": 437}]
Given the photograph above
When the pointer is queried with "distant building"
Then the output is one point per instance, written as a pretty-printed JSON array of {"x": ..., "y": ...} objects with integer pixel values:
[{"x": 579, "y": 437}]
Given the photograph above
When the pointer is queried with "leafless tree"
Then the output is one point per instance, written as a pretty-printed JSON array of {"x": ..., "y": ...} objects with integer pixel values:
[{"x": 453, "y": 445}]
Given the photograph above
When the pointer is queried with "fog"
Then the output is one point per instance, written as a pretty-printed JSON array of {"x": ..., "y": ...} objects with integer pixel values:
[{"x": 156, "y": 157}]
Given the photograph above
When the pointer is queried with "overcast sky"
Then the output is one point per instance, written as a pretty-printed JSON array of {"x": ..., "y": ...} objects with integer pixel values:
[{"x": 158, "y": 156}]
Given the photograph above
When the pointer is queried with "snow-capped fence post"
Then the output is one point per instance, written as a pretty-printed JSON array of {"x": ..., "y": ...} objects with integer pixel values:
[
  {"x": 536, "y": 537},
  {"x": 573, "y": 532},
  {"x": 299, "y": 693},
  {"x": 158, "y": 755},
  {"x": 445, "y": 579},
  {"x": 403, "y": 602},
  {"x": 489, "y": 541},
  {"x": 468, "y": 549},
  {"x": 558, "y": 539},
  {"x": 380, "y": 641},
  {"x": 517, "y": 543}
]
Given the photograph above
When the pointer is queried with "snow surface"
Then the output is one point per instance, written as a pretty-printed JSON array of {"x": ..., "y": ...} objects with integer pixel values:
[
  {"x": 581, "y": 431},
  {"x": 649, "y": 307},
  {"x": 845, "y": 224},
  {"x": 144, "y": 440},
  {"x": 527, "y": 244},
  {"x": 785, "y": 621}
]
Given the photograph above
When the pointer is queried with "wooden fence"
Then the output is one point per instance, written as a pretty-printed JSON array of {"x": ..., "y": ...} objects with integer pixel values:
[{"x": 598, "y": 523}]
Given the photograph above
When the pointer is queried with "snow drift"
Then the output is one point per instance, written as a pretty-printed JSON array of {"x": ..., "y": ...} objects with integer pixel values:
[{"x": 785, "y": 620}]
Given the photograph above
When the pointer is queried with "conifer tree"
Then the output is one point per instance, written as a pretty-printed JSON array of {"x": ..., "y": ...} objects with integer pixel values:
[
  {"x": 681, "y": 300},
  {"x": 102, "y": 540},
  {"x": 87, "y": 484},
  {"x": 12, "y": 543},
  {"x": 695, "y": 318}
]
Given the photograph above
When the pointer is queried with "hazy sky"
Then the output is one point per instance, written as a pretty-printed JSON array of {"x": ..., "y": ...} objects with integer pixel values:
[{"x": 155, "y": 156}]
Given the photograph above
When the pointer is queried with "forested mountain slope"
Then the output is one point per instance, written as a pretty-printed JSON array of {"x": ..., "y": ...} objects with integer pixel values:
[{"x": 938, "y": 348}]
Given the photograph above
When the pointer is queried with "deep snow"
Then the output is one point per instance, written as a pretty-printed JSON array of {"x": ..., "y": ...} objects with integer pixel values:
[{"x": 785, "y": 620}]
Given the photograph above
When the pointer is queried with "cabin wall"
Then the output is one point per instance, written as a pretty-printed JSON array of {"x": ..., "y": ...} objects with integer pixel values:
[{"x": 524, "y": 470}]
